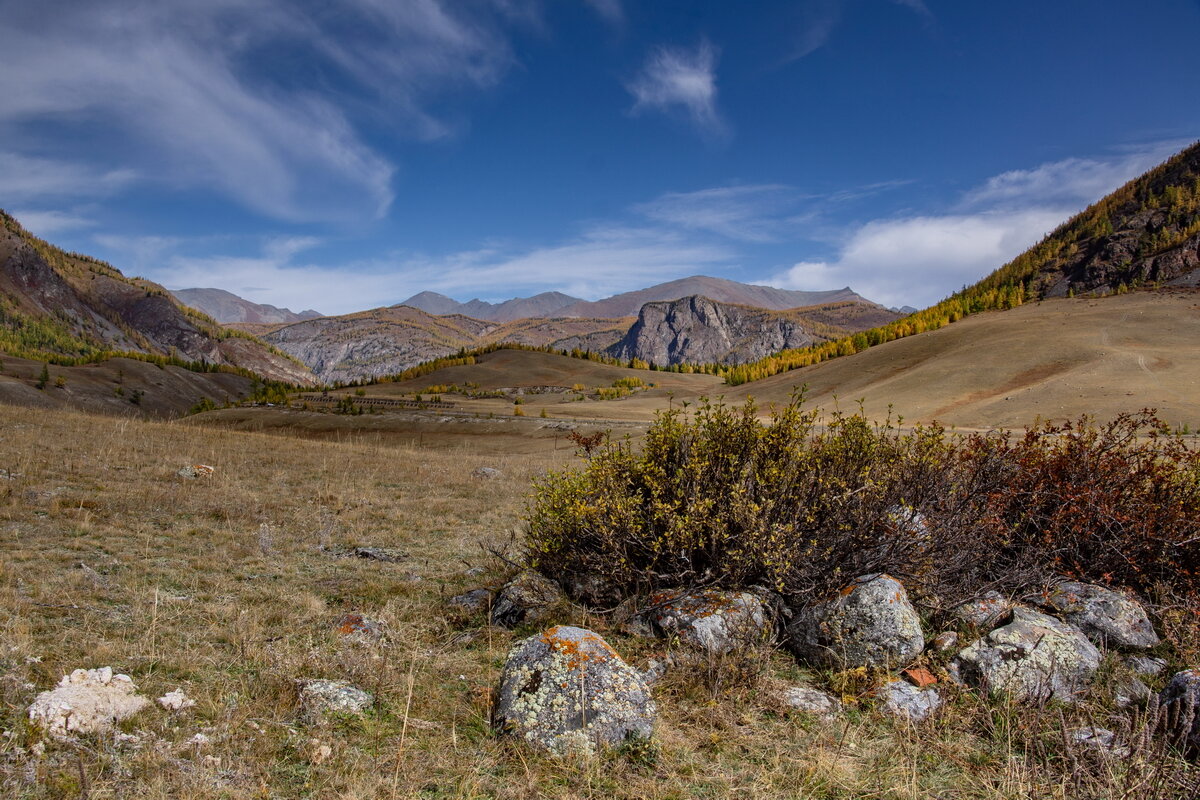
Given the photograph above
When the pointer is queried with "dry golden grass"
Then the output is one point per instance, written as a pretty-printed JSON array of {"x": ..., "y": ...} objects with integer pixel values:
[{"x": 110, "y": 559}]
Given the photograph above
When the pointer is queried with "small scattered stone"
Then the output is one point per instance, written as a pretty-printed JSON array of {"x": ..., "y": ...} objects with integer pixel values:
[
  {"x": 388, "y": 555},
  {"x": 944, "y": 641},
  {"x": 320, "y": 697},
  {"x": 360, "y": 628},
  {"x": 984, "y": 611},
  {"x": 1101, "y": 739},
  {"x": 472, "y": 602},
  {"x": 713, "y": 621},
  {"x": 902, "y": 699},
  {"x": 1130, "y": 691},
  {"x": 529, "y": 598},
  {"x": 1146, "y": 665},
  {"x": 567, "y": 691},
  {"x": 486, "y": 473},
  {"x": 1108, "y": 618},
  {"x": 920, "y": 677},
  {"x": 1182, "y": 700},
  {"x": 199, "y": 740},
  {"x": 870, "y": 623},
  {"x": 811, "y": 701},
  {"x": 86, "y": 701},
  {"x": 194, "y": 471},
  {"x": 176, "y": 701},
  {"x": 474, "y": 571}
]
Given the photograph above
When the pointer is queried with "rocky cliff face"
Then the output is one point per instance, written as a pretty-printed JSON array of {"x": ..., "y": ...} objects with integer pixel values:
[{"x": 699, "y": 330}]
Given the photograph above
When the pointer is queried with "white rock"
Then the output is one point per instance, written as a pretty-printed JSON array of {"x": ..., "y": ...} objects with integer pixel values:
[
  {"x": 902, "y": 699},
  {"x": 86, "y": 701},
  {"x": 176, "y": 701},
  {"x": 811, "y": 701}
]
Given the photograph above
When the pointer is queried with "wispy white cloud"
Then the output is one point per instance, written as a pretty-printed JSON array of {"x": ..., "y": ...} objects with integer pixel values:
[
  {"x": 820, "y": 18},
  {"x": 177, "y": 92},
  {"x": 746, "y": 213},
  {"x": 48, "y": 223},
  {"x": 917, "y": 260},
  {"x": 603, "y": 260},
  {"x": 678, "y": 79},
  {"x": 26, "y": 179},
  {"x": 610, "y": 10}
]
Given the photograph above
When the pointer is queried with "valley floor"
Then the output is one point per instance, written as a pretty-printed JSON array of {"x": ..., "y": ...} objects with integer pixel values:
[{"x": 230, "y": 586}]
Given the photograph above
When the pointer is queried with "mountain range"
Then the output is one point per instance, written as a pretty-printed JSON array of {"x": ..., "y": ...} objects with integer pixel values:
[
  {"x": 226, "y": 307},
  {"x": 628, "y": 304}
]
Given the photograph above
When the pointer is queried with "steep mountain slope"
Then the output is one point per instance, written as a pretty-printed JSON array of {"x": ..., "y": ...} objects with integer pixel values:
[
  {"x": 385, "y": 341},
  {"x": 718, "y": 289},
  {"x": 546, "y": 304},
  {"x": 227, "y": 307},
  {"x": 64, "y": 306}
]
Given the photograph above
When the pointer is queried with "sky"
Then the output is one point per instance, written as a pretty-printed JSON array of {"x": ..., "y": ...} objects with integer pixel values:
[{"x": 346, "y": 154}]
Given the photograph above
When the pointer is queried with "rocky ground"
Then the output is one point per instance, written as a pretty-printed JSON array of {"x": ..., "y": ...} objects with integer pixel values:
[{"x": 324, "y": 619}]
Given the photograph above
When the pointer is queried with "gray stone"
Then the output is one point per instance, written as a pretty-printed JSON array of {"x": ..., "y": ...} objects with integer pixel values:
[
  {"x": 870, "y": 623},
  {"x": 944, "y": 641},
  {"x": 319, "y": 698},
  {"x": 1181, "y": 698},
  {"x": 1099, "y": 739},
  {"x": 713, "y": 621},
  {"x": 388, "y": 555},
  {"x": 1130, "y": 691},
  {"x": 471, "y": 602},
  {"x": 486, "y": 473},
  {"x": 360, "y": 628},
  {"x": 1146, "y": 665},
  {"x": 1034, "y": 657},
  {"x": 527, "y": 599},
  {"x": 1108, "y": 618},
  {"x": 902, "y": 699},
  {"x": 567, "y": 692},
  {"x": 811, "y": 701},
  {"x": 984, "y": 611}
]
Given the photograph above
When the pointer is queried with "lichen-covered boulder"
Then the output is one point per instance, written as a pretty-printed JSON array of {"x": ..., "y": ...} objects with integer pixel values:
[
  {"x": 1181, "y": 698},
  {"x": 1108, "y": 618},
  {"x": 871, "y": 623},
  {"x": 713, "y": 621},
  {"x": 567, "y": 692},
  {"x": 529, "y": 598},
  {"x": 901, "y": 699},
  {"x": 982, "y": 611},
  {"x": 1034, "y": 657},
  {"x": 86, "y": 701}
]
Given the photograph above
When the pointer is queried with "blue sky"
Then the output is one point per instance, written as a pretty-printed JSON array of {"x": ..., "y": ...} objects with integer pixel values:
[{"x": 345, "y": 154}]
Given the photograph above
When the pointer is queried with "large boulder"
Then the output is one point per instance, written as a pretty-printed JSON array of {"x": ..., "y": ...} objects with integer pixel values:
[
  {"x": 713, "y": 621},
  {"x": 1108, "y": 618},
  {"x": 528, "y": 599},
  {"x": 567, "y": 692},
  {"x": 1033, "y": 657},
  {"x": 871, "y": 623},
  {"x": 1181, "y": 698},
  {"x": 86, "y": 701}
]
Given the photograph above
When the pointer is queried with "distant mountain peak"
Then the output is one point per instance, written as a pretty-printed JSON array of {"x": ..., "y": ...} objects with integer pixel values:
[{"x": 226, "y": 307}]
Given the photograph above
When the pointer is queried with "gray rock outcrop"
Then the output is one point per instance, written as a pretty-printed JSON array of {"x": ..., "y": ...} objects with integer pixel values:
[
  {"x": 567, "y": 692},
  {"x": 1181, "y": 698},
  {"x": 713, "y": 621},
  {"x": 699, "y": 330},
  {"x": 871, "y": 623},
  {"x": 901, "y": 699},
  {"x": 1034, "y": 657},
  {"x": 1108, "y": 618}
]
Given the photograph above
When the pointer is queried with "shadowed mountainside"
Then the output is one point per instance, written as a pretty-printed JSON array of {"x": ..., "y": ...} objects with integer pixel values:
[
  {"x": 226, "y": 307},
  {"x": 69, "y": 307}
]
